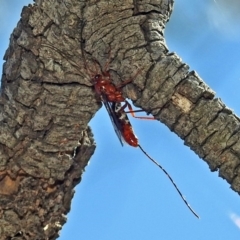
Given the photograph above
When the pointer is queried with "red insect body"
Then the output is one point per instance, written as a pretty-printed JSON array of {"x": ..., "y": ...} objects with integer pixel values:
[{"x": 104, "y": 87}]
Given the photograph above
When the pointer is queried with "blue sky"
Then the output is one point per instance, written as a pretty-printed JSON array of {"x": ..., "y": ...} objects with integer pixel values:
[{"x": 123, "y": 196}]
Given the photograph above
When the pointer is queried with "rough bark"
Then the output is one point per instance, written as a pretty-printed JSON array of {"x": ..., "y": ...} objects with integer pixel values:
[{"x": 47, "y": 101}]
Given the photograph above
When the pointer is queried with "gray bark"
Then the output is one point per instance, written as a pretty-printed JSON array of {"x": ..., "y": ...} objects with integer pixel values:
[{"x": 47, "y": 100}]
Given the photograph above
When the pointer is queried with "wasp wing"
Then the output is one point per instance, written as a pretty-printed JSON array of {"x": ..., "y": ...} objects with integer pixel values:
[{"x": 113, "y": 117}]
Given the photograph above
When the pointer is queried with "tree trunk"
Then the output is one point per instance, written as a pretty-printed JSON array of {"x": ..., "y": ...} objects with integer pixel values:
[{"x": 47, "y": 100}]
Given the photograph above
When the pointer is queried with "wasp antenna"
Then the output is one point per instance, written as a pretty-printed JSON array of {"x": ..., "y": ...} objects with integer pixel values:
[{"x": 174, "y": 184}]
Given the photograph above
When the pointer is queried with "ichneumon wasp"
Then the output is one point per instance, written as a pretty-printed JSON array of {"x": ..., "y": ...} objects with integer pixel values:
[{"x": 115, "y": 103}]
